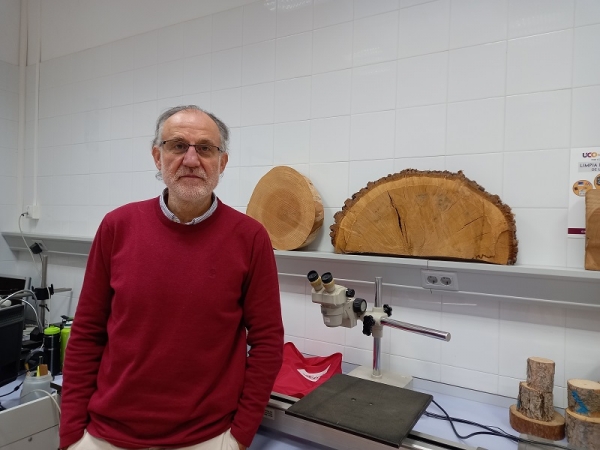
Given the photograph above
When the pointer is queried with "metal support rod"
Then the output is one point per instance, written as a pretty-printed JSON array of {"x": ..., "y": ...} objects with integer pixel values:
[
  {"x": 376, "y": 340},
  {"x": 378, "y": 296},
  {"x": 429, "y": 332},
  {"x": 43, "y": 285},
  {"x": 376, "y": 357}
]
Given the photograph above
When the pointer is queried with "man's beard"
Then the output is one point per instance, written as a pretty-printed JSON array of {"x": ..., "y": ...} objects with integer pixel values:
[{"x": 190, "y": 193}]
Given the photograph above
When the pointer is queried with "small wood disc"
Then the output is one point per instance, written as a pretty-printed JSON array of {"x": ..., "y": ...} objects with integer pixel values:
[
  {"x": 286, "y": 203},
  {"x": 540, "y": 373},
  {"x": 553, "y": 430},
  {"x": 582, "y": 432},
  {"x": 584, "y": 397}
]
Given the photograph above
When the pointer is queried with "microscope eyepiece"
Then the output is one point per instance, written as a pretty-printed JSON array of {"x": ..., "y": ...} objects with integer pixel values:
[
  {"x": 327, "y": 277},
  {"x": 328, "y": 282},
  {"x": 315, "y": 280}
]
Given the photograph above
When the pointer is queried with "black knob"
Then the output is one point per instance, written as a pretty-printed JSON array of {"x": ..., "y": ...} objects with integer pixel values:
[
  {"x": 368, "y": 323},
  {"x": 359, "y": 306},
  {"x": 388, "y": 310},
  {"x": 350, "y": 292},
  {"x": 312, "y": 276},
  {"x": 327, "y": 278}
]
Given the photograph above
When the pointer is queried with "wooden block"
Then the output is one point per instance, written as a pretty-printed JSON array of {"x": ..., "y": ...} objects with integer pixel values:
[
  {"x": 584, "y": 397},
  {"x": 553, "y": 430},
  {"x": 535, "y": 404},
  {"x": 287, "y": 204},
  {"x": 540, "y": 374},
  {"x": 426, "y": 214},
  {"x": 583, "y": 433},
  {"x": 592, "y": 229},
  {"x": 43, "y": 369}
]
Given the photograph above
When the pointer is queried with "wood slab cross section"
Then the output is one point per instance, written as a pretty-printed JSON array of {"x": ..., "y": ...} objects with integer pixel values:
[
  {"x": 426, "y": 214},
  {"x": 287, "y": 204}
]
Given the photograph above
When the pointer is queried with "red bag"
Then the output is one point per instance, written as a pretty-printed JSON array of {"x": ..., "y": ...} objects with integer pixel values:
[{"x": 299, "y": 375}]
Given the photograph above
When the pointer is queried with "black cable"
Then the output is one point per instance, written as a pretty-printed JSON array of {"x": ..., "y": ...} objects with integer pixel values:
[
  {"x": 490, "y": 430},
  {"x": 22, "y": 372},
  {"x": 14, "y": 390}
]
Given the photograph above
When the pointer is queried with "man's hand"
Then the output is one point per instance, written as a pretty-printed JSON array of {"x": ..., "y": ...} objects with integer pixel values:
[{"x": 242, "y": 447}]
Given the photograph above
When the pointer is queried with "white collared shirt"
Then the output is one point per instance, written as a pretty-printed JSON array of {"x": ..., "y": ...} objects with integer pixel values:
[{"x": 167, "y": 212}]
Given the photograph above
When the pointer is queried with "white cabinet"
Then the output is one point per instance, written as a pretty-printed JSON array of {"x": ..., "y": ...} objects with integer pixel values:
[{"x": 31, "y": 426}]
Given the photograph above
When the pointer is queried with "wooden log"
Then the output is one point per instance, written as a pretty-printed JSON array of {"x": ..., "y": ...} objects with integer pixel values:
[
  {"x": 287, "y": 204},
  {"x": 592, "y": 229},
  {"x": 535, "y": 404},
  {"x": 426, "y": 214},
  {"x": 583, "y": 433},
  {"x": 584, "y": 397},
  {"x": 540, "y": 374},
  {"x": 553, "y": 430}
]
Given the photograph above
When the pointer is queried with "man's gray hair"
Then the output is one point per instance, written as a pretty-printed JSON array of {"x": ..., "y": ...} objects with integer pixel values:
[{"x": 223, "y": 129}]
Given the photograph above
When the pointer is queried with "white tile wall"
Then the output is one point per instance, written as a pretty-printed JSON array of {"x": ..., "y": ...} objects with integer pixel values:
[
  {"x": 477, "y": 72},
  {"x": 421, "y": 131},
  {"x": 331, "y": 12},
  {"x": 587, "y": 12},
  {"x": 424, "y": 29},
  {"x": 586, "y": 64},
  {"x": 543, "y": 326},
  {"x": 292, "y": 99},
  {"x": 376, "y": 39},
  {"x": 294, "y": 16},
  {"x": 475, "y": 22},
  {"x": 422, "y": 80},
  {"x": 537, "y": 121},
  {"x": 475, "y": 125},
  {"x": 260, "y": 21},
  {"x": 332, "y": 48},
  {"x": 540, "y": 63},
  {"x": 345, "y": 92},
  {"x": 258, "y": 63},
  {"x": 530, "y": 17}
]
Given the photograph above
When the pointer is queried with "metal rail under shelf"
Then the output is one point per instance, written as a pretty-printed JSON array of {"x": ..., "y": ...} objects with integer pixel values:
[{"x": 554, "y": 285}]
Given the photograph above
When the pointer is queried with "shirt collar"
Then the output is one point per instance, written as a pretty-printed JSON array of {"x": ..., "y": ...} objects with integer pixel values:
[{"x": 167, "y": 212}]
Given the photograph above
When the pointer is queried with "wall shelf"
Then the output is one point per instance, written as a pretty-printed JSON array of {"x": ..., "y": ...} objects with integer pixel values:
[
  {"x": 63, "y": 245},
  {"x": 569, "y": 287},
  {"x": 562, "y": 286}
]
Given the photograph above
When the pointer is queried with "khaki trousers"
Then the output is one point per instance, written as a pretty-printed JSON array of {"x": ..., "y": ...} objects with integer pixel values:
[{"x": 224, "y": 441}]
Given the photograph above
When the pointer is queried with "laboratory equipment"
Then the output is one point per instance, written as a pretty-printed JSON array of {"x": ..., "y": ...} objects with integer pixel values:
[
  {"x": 52, "y": 349},
  {"x": 340, "y": 307},
  {"x": 11, "y": 335},
  {"x": 32, "y": 385},
  {"x": 65, "y": 333}
]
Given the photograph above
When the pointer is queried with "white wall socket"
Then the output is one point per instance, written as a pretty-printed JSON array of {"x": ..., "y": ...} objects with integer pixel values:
[
  {"x": 33, "y": 211},
  {"x": 436, "y": 279}
]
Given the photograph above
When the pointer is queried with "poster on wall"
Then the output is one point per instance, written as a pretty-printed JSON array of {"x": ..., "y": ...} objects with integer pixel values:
[{"x": 584, "y": 176}]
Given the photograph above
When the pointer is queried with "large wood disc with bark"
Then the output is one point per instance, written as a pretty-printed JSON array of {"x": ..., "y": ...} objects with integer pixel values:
[
  {"x": 287, "y": 204},
  {"x": 426, "y": 214}
]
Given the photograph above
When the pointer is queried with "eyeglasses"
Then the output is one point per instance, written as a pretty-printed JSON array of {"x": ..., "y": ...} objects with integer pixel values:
[{"x": 180, "y": 147}]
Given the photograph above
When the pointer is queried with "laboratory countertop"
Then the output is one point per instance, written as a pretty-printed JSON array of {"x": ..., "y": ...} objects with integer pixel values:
[
  {"x": 476, "y": 411},
  {"x": 482, "y": 413}
]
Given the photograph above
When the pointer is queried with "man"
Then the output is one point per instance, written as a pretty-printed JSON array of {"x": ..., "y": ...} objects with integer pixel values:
[{"x": 176, "y": 289}]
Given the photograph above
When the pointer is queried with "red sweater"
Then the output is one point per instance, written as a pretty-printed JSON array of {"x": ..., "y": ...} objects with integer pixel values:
[{"x": 157, "y": 355}]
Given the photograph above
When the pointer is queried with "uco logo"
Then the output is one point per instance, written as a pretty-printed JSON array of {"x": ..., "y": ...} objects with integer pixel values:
[
  {"x": 589, "y": 154},
  {"x": 314, "y": 377}
]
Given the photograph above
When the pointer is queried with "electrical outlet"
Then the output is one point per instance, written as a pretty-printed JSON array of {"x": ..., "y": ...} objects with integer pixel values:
[
  {"x": 436, "y": 279},
  {"x": 33, "y": 211}
]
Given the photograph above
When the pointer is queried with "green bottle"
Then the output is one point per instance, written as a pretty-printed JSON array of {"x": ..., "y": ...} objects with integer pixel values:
[{"x": 64, "y": 338}]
